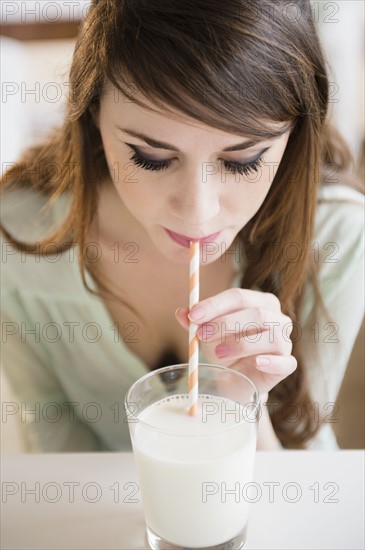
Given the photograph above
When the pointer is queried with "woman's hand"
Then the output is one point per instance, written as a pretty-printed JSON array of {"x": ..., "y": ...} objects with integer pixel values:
[{"x": 246, "y": 331}]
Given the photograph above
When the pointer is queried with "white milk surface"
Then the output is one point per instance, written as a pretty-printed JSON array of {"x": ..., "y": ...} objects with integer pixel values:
[{"x": 193, "y": 479}]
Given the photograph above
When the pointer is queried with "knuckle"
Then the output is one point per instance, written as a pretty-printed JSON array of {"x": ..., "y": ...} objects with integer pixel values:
[
  {"x": 284, "y": 347},
  {"x": 239, "y": 297},
  {"x": 294, "y": 364},
  {"x": 211, "y": 303},
  {"x": 288, "y": 324},
  {"x": 287, "y": 319},
  {"x": 288, "y": 347},
  {"x": 264, "y": 316},
  {"x": 273, "y": 300}
]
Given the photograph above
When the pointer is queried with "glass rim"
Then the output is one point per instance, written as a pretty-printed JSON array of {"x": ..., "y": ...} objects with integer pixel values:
[{"x": 136, "y": 420}]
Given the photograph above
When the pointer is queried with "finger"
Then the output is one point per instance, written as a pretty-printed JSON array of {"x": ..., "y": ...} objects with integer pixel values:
[
  {"x": 181, "y": 315},
  {"x": 230, "y": 301},
  {"x": 276, "y": 365},
  {"x": 279, "y": 368},
  {"x": 244, "y": 323},
  {"x": 256, "y": 344}
]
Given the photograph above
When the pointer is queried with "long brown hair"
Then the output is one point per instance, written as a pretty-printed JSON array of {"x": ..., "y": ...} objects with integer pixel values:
[{"x": 236, "y": 66}]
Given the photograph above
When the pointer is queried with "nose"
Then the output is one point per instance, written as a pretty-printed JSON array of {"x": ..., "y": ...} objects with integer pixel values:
[{"x": 195, "y": 199}]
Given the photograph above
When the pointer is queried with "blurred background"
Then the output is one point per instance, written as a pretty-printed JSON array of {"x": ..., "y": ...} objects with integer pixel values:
[{"x": 37, "y": 41}]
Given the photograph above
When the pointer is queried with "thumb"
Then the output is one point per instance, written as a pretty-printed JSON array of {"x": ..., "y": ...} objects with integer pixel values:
[{"x": 181, "y": 315}]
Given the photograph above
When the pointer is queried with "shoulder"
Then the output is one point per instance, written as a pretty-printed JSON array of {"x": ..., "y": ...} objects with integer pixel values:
[
  {"x": 337, "y": 248},
  {"x": 26, "y": 217},
  {"x": 339, "y": 225},
  {"x": 337, "y": 251},
  {"x": 341, "y": 200}
]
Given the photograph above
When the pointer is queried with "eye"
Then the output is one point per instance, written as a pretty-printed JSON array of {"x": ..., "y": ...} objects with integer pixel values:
[
  {"x": 244, "y": 169},
  {"x": 148, "y": 164},
  {"x": 233, "y": 167}
]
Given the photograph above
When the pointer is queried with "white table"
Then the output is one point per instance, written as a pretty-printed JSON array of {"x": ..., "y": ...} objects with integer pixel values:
[{"x": 87, "y": 513}]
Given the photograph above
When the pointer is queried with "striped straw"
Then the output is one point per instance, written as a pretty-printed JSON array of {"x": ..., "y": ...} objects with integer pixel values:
[{"x": 193, "y": 327}]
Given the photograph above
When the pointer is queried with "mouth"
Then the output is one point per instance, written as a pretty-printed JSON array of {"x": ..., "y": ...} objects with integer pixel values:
[{"x": 184, "y": 240}]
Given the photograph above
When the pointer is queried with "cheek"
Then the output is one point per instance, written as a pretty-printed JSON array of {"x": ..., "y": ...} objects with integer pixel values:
[
  {"x": 114, "y": 162},
  {"x": 246, "y": 195},
  {"x": 126, "y": 176},
  {"x": 133, "y": 185},
  {"x": 258, "y": 186}
]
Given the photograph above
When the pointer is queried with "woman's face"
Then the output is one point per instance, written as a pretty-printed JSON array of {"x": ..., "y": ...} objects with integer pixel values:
[{"x": 175, "y": 180}]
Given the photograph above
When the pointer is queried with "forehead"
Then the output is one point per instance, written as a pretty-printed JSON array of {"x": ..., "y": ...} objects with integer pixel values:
[{"x": 146, "y": 114}]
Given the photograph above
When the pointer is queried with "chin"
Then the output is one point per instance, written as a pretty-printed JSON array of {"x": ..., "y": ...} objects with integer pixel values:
[
  {"x": 182, "y": 257},
  {"x": 179, "y": 255}
]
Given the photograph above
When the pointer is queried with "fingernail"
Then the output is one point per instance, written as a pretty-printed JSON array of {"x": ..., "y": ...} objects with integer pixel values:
[
  {"x": 263, "y": 363},
  {"x": 177, "y": 311},
  {"x": 204, "y": 331},
  {"x": 196, "y": 314},
  {"x": 222, "y": 351}
]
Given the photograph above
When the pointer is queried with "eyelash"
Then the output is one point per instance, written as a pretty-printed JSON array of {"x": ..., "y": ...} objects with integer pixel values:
[{"x": 233, "y": 167}]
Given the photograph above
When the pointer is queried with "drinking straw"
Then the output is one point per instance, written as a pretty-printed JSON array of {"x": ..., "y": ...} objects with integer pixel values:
[{"x": 193, "y": 327}]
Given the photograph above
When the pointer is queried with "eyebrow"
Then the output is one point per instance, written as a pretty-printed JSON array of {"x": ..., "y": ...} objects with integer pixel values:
[{"x": 163, "y": 145}]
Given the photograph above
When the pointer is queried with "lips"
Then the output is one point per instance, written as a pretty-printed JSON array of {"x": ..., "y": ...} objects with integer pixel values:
[{"x": 184, "y": 240}]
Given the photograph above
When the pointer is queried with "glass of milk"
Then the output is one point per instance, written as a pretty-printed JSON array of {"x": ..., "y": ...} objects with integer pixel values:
[{"x": 194, "y": 471}]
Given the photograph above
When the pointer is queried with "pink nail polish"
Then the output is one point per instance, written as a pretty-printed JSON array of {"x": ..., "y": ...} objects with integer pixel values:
[{"x": 222, "y": 351}]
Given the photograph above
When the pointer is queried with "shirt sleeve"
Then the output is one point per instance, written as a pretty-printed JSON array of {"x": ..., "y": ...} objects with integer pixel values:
[
  {"x": 48, "y": 422},
  {"x": 338, "y": 249}
]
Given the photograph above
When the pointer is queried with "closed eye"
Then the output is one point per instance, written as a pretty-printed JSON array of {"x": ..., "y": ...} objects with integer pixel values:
[
  {"x": 244, "y": 168},
  {"x": 233, "y": 167},
  {"x": 149, "y": 164}
]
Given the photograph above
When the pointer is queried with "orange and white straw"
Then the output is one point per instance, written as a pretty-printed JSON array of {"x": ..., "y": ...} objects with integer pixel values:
[{"x": 193, "y": 327}]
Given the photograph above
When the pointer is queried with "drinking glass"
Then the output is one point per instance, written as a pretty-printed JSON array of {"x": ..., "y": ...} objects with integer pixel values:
[{"x": 195, "y": 471}]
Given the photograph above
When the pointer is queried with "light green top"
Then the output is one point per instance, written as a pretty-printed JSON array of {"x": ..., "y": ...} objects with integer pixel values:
[{"x": 64, "y": 362}]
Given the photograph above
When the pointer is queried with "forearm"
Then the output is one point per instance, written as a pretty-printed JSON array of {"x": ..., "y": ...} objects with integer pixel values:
[{"x": 266, "y": 437}]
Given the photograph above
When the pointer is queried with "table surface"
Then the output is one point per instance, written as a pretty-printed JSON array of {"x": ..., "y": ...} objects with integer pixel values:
[{"x": 303, "y": 500}]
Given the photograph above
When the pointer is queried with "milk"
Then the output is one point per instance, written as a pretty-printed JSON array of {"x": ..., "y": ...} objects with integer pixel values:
[{"x": 192, "y": 479}]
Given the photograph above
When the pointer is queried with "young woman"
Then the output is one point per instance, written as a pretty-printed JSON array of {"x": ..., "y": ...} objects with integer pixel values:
[{"x": 186, "y": 120}]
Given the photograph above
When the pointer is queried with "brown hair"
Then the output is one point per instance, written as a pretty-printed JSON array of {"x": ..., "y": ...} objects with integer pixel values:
[{"x": 236, "y": 66}]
